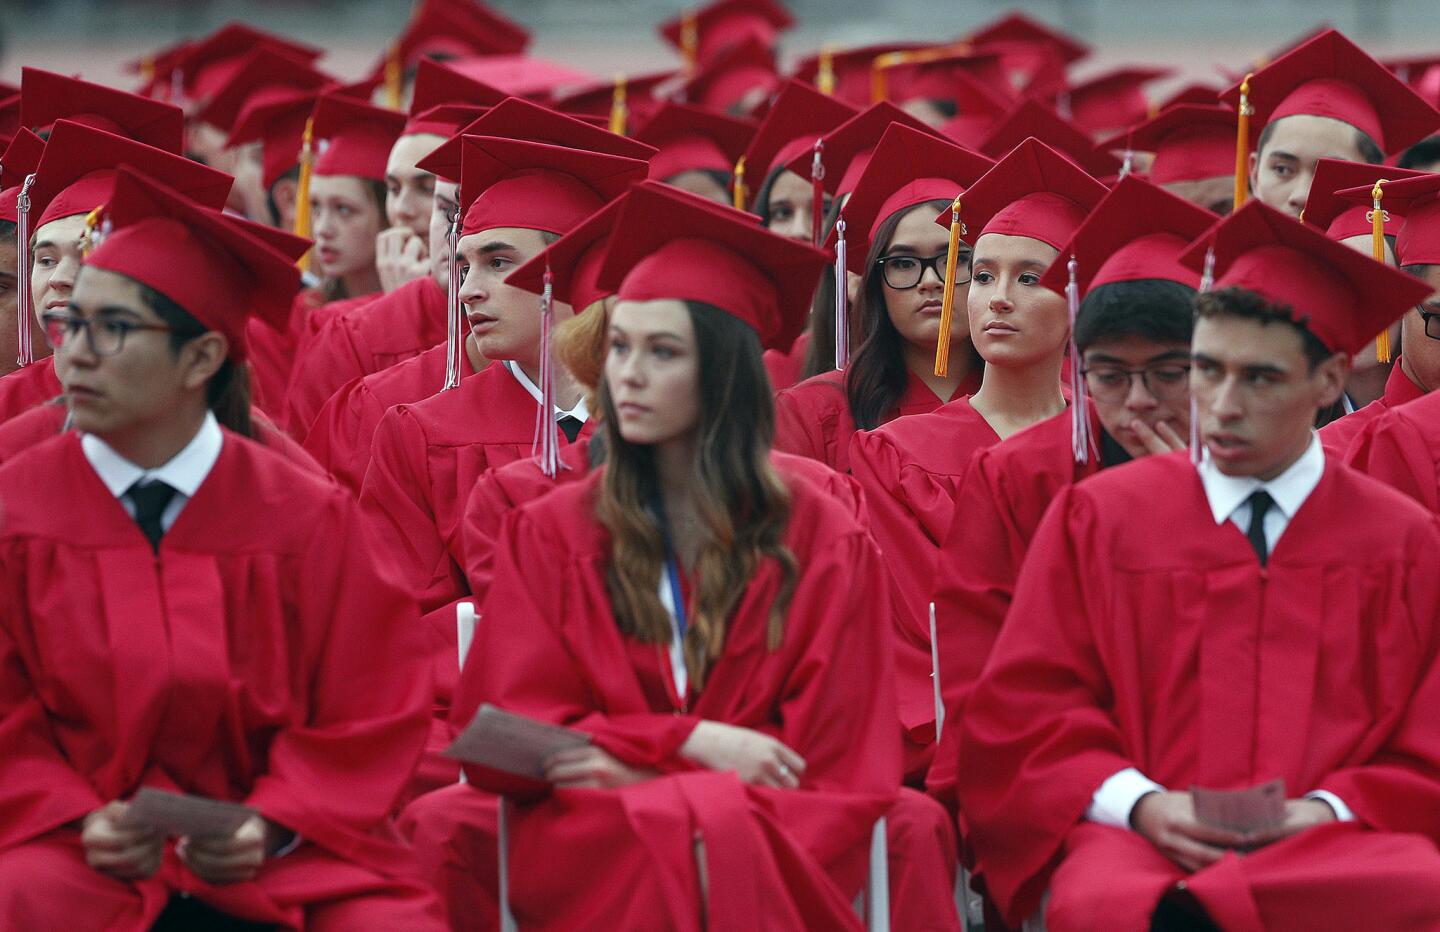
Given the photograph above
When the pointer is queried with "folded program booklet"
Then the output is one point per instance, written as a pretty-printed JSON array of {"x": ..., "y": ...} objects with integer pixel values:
[
  {"x": 1248, "y": 810},
  {"x": 512, "y": 743},
  {"x": 183, "y": 815}
]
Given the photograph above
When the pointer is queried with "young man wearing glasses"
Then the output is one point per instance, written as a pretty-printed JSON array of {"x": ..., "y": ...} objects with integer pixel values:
[
  {"x": 1253, "y": 623},
  {"x": 1132, "y": 337}
]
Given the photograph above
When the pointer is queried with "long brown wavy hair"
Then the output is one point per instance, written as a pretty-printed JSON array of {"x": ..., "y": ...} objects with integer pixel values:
[{"x": 742, "y": 502}]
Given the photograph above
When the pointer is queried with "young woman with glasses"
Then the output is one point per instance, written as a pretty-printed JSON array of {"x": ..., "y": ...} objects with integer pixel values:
[{"x": 900, "y": 254}]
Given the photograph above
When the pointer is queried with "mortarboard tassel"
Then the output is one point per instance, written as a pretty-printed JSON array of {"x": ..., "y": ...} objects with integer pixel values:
[
  {"x": 1377, "y": 230},
  {"x": 817, "y": 192},
  {"x": 825, "y": 71},
  {"x": 1079, "y": 401},
  {"x": 842, "y": 300},
  {"x": 1207, "y": 281},
  {"x": 302, "y": 189},
  {"x": 1128, "y": 163},
  {"x": 394, "y": 79},
  {"x": 740, "y": 196},
  {"x": 24, "y": 300},
  {"x": 92, "y": 235},
  {"x": 1242, "y": 145},
  {"x": 879, "y": 82},
  {"x": 689, "y": 42},
  {"x": 619, "y": 110},
  {"x": 947, "y": 303},
  {"x": 547, "y": 427},
  {"x": 454, "y": 312}
]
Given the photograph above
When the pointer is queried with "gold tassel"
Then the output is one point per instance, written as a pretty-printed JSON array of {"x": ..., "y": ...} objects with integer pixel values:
[
  {"x": 394, "y": 79},
  {"x": 92, "y": 223},
  {"x": 825, "y": 72},
  {"x": 1242, "y": 145},
  {"x": 302, "y": 190},
  {"x": 947, "y": 303},
  {"x": 1377, "y": 244},
  {"x": 690, "y": 42},
  {"x": 740, "y": 194},
  {"x": 879, "y": 83},
  {"x": 619, "y": 111}
]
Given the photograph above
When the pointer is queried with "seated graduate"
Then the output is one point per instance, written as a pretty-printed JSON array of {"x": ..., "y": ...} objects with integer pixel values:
[
  {"x": 892, "y": 242},
  {"x": 1253, "y": 618},
  {"x": 1131, "y": 385},
  {"x": 1023, "y": 210},
  {"x": 187, "y": 611},
  {"x": 716, "y": 626}
]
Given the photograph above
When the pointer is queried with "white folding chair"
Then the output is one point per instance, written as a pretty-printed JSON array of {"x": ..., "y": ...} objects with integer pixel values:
[{"x": 877, "y": 885}]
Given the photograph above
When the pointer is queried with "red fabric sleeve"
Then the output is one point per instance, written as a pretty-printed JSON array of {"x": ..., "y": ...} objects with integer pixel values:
[
  {"x": 329, "y": 365},
  {"x": 1392, "y": 449}
]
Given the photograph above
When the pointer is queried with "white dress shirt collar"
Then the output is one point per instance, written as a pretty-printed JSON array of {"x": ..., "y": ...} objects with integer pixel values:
[
  {"x": 184, "y": 472},
  {"x": 1289, "y": 489},
  {"x": 579, "y": 412}
]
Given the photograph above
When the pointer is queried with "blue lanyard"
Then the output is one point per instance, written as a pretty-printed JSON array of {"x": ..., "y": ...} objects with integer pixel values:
[{"x": 677, "y": 595}]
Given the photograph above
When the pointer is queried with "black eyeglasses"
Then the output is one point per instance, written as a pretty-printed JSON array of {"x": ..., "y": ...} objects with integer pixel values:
[
  {"x": 1432, "y": 321},
  {"x": 105, "y": 335},
  {"x": 905, "y": 272},
  {"x": 1111, "y": 384}
]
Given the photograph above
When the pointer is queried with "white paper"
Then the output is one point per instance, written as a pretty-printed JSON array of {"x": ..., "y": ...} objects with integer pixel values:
[
  {"x": 512, "y": 743},
  {"x": 183, "y": 815}
]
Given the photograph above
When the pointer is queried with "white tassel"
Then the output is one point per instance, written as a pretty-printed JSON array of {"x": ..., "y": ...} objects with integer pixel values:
[
  {"x": 1128, "y": 165},
  {"x": 547, "y": 429},
  {"x": 1207, "y": 275},
  {"x": 842, "y": 300},
  {"x": 1207, "y": 281},
  {"x": 454, "y": 312},
  {"x": 1079, "y": 401},
  {"x": 24, "y": 300}
]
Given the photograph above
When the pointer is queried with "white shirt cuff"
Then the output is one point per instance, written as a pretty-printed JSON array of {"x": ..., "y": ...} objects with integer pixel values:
[
  {"x": 1117, "y": 796},
  {"x": 1342, "y": 811}
]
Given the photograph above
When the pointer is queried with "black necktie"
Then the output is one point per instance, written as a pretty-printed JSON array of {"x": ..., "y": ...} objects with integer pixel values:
[
  {"x": 150, "y": 501},
  {"x": 1260, "y": 502},
  {"x": 570, "y": 425}
]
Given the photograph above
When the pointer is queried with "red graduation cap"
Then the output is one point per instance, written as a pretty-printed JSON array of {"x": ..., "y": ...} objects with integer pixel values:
[
  {"x": 208, "y": 64},
  {"x": 668, "y": 246},
  {"x": 357, "y": 138},
  {"x": 909, "y": 167},
  {"x": 216, "y": 269},
  {"x": 574, "y": 260},
  {"x": 1340, "y": 217},
  {"x": 159, "y": 70},
  {"x": 848, "y": 74},
  {"x": 1196, "y": 92},
  {"x": 76, "y": 173},
  {"x": 799, "y": 116},
  {"x": 688, "y": 138},
  {"x": 1137, "y": 231},
  {"x": 1330, "y": 76},
  {"x": 452, "y": 30},
  {"x": 1345, "y": 298},
  {"x": 1110, "y": 100},
  {"x": 944, "y": 73},
  {"x": 726, "y": 83},
  {"x": 1033, "y": 191},
  {"x": 848, "y": 148},
  {"x": 46, "y": 97},
  {"x": 1417, "y": 199},
  {"x": 442, "y": 99},
  {"x": 980, "y": 110},
  {"x": 9, "y": 116},
  {"x": 277, "y": 118},
  {"x": 21, "y": 157},
  {"x": 518, "y": 183},
  {"x": 514, "y": 118},
  {"x": 264, "y": 75},
  {"x": 521, "y": 75},
  {"x": 1190, "y": 142},
  {"x": 703, "y": 34},
  {"x": 597, "y": 98},
  {"x": 1031, "y": 118},
  {"x": 1017, "y": 29}
]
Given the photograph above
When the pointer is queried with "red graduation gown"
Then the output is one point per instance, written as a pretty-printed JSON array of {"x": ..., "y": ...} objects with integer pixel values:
[
  {"x": 813, "y": 418},
  {"x": 341, "y": 435},
  {"x": 374, "y": 336},
  {"x": 784, "y": 368},
  {"x": 27, "y": 387},
  {"x": 427, "y": 458},
  {"x": 1337, "y": 436},
  {"x": 909, "y": 471},
  {"x": 44, "y": 421},
  {"x": 997, "y": 509},
  {"x": 259, "y": 658},
  {"x": 548, "y": 646},
  {"x": 1401, "y": 447},
  {"x": 273, "y": 353},
  {"x": 1145, "y": 635}
]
